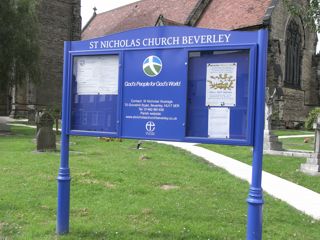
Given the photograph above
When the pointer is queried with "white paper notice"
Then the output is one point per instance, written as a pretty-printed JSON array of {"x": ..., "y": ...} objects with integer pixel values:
[
  {"x": 221, "y": 84},
  {"x": 219, "y": 122},
  {"x": 97, "y": 74}
]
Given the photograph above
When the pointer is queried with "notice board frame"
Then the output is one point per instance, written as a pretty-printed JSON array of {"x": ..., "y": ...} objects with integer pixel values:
[
  {"x": 252, "y": 48},
  {"x": 251, "y": 101},
  {"x": 91, "y": 47},
  {"x": 70, "y": 83}
]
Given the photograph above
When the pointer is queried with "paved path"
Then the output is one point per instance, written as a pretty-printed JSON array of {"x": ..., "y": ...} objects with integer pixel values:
[
  {"x": 299, "y": 197},
  {"x": 4, "y": 120},
  {"x": 22, "y": 125},
  {"x": 4, "y": 127},
  {"x": 297, "y": 136}
]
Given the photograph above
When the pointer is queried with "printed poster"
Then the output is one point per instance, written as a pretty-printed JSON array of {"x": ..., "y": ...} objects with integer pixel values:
[
  {"x": 221, "y": 84},
  {"x": 219, "y": 123},
  {"x": 97, "y": 75}
]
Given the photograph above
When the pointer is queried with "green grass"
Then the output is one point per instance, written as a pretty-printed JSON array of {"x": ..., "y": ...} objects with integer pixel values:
[
  {"x": 115, "y": 194},
  {"x": 284, "y": 167},
  {"x": 298, "y": 143}
]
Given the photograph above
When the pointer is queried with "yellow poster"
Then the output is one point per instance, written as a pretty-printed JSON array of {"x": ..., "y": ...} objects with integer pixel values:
[{"x": 221, "y": 84}]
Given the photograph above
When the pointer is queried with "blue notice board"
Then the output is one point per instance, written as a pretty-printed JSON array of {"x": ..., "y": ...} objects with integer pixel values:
[
  {"x": 164, "y": 83},
  {"x": 167, "y": 83}
]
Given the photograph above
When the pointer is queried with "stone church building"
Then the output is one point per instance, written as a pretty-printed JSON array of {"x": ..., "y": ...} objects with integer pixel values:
[
  {"x": 59, "y": 21},
  {"x": 292, "y": 61}
]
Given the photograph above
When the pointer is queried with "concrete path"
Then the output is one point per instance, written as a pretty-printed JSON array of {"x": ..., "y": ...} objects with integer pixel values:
[
  {"x": 4, "y": 120},
  {"x": 4, "y": 127},
  {"x": 22, "y": 125},
  {"x": 299, "y": 197},
  {"x": 297, "y": 136}
]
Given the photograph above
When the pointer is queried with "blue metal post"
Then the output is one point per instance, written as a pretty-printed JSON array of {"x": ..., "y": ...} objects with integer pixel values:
[
  {"x": 255, "y": 198},
  {"x": 64, "y": 171}
]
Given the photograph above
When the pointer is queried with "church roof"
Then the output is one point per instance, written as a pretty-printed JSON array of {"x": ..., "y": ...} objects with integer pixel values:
[
  {"x": 231, "y": 14},
  {"x": 217, "y": 14}
]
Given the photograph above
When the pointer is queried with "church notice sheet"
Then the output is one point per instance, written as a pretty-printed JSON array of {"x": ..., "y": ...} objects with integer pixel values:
[
  {"x": 219, "y": 122},
  {"x": 97, "y": 74},
  {"x": 221, "y": 84}
]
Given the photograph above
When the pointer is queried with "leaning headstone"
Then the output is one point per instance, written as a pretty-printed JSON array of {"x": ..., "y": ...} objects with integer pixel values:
[
  {"x": 46, "y": 138},
  {"x": 4, "y": 127},
  {"x": 312, "y": 166},
  {"x": 271, "y": 141}
]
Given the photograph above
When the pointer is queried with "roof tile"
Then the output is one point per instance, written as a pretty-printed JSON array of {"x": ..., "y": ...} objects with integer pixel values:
[
  {"x": 139, "y": 14},
  {"x": 220, "y": 14},
  {"x": 230, "y": 14}
]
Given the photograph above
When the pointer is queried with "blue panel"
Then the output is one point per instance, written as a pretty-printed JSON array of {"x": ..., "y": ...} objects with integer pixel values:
[
  {"x": 154, "y": 105},
  {"x": 93, "y": 112},
  {"x": 197, "y": 113}
]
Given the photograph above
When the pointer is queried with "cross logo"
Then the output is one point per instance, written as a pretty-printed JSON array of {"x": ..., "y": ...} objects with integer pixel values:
[{"x": 150, "y": 126}]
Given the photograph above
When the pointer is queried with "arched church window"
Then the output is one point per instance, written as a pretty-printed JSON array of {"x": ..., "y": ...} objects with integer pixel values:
[{"x": 293, "y": 55}]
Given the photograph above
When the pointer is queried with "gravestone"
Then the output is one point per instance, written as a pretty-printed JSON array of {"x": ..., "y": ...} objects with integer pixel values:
[
  {"x": 46, "y": 138},
  {"x": 312, "y": 166},
  {"x": 271, "y": 141},
  {"x": 4, "y": 127}
]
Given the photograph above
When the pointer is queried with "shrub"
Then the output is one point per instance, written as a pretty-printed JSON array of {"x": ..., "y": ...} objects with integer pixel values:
[{"x": 311, "y": 118}]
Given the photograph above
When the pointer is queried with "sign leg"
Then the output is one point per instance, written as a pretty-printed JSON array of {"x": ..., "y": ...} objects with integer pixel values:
[
  {"x": 255, "y": 203},
  {"x": 63, "y": 188},
  {"x": 255, "y": 198}
]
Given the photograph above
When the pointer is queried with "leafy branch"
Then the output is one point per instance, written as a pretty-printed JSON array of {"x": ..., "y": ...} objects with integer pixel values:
[
  {"x": 19, "y": 46},
  {"x": 310, "y": 13}
]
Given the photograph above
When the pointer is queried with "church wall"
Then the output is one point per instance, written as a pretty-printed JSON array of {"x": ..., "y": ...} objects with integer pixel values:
[
  {"x": 59, "y": 21},
  {"x": 296, "y": 103}
]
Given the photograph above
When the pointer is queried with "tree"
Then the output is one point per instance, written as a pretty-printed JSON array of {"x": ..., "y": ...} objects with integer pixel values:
[
  {"x": 19, "y": 48},
  {"x": 310, "y": 14}
]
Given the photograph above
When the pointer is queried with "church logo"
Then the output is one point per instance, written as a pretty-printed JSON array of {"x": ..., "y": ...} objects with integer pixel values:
[{"x": 152, "y": 66}]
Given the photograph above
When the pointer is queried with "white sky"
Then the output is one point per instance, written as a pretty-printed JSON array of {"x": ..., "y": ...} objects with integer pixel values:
[
  {"x": 105, "y": 5},
  {"x": 102, "y": 6}
]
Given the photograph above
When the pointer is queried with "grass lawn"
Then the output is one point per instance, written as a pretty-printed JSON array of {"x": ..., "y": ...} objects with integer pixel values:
[
  {"x": 298, "y": 143},
  {"x": 118, "y": 192}
]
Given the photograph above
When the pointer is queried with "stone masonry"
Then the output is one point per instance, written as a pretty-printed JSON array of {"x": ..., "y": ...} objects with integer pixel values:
[
  {"x": 297, "y": 102},
  {"x": 59, "y": 21}
]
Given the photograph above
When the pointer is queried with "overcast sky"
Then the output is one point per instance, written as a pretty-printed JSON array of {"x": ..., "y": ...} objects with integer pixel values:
[
  {"x": 102, "y": 6},
  {"x": 105, "y": 5}
]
